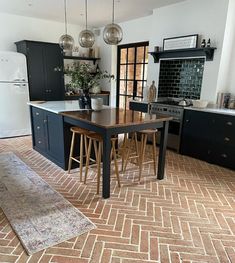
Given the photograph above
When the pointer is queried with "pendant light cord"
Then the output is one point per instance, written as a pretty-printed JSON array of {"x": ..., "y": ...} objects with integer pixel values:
[
  {"x": 86, "y": 12},
  {"x": 113, "y": 13},
  {"x": 65, "y": 16}
]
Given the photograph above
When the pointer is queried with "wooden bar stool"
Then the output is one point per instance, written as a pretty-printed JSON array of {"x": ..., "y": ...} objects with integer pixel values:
[
  {"x": 144, "y": 137},
  {"x": 127, "y": 152},
  {"x": 96, "y": 138},
  {"x": 83, "y": 142}
]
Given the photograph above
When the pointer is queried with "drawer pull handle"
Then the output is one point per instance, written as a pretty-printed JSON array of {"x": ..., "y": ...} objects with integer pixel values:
[
  {"x": 37, "y": 113},
  {"x": 38, "y": 127},
  {"x": 224, "y": 155},
  {"x": 39, "y": 142},
  {"x": 229, "y": 123},
  {"x": 227, "y": 139}
]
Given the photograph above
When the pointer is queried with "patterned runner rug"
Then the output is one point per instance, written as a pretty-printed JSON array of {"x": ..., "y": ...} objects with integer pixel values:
[{"x": 40, "y": 216}]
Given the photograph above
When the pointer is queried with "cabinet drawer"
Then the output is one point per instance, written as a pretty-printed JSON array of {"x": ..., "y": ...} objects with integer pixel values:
[
  {"x": 225, "y": 139},
  {"x": 224, "y": 156},
  {"x": 40, "y": 142},
  {"x": 225, "y": 125}
]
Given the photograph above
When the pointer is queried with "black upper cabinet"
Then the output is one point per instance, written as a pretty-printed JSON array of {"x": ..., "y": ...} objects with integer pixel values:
[{"x": 45, "y": 69}]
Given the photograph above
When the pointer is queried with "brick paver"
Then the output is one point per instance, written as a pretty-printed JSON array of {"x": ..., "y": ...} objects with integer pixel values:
[{"x": 187, "y": 217}]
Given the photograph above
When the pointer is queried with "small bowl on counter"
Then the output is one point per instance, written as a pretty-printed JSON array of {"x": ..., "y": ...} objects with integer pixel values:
[{"x": 200, "y": 103}]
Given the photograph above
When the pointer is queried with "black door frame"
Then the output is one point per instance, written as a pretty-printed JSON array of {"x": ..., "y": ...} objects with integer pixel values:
[{"x": 130, "y": 45}]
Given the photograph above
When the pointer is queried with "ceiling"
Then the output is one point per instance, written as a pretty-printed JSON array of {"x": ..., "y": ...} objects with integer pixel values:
[{"x": 99, "y": 11}]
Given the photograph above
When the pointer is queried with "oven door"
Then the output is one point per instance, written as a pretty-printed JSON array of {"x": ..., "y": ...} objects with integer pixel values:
[{"x": 174, "y": 134}]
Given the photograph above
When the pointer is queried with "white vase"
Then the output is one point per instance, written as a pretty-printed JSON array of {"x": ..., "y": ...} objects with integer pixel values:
[{"x": 96, "y": 104}]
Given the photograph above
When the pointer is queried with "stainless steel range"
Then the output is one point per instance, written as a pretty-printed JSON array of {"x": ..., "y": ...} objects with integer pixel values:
[{"x": 172, "y": 108}]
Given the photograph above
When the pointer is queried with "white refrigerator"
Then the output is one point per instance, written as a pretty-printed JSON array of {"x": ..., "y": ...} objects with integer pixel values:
[{"x": 14, "y": 95}]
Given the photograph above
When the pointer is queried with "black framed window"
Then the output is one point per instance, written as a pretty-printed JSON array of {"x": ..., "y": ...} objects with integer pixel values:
[{"x": 132, "y": 69}]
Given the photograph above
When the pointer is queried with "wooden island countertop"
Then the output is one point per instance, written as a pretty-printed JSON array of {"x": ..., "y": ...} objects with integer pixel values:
[{"x": 115, "y": 117}]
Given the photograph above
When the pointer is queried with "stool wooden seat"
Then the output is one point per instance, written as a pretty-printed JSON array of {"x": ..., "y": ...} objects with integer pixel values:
[
  {"x": 83, "y": 142},
  {"x": 144, "y": 137},
  {"x": 96, "y": 138}
]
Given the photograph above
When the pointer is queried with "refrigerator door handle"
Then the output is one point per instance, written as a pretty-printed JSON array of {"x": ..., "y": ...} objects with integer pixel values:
[{"x": 18, "y": 85}]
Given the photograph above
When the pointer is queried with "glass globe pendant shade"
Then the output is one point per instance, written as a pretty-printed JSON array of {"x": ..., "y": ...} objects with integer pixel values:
[
  {"x": 86, "y": 38},
  {"x": 66, "y": 42},
  {"x": 112, "y": 34}
]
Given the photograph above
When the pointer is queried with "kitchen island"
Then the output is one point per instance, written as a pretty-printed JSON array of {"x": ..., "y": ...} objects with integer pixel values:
[{"x": 51, "y": 122}]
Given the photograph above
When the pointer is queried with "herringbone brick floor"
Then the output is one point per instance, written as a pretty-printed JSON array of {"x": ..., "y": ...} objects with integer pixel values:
[{"x": 187, "y": 217}]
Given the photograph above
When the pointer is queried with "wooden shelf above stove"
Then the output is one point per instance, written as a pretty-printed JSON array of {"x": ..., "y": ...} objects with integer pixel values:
[{"x": 207, "y": 52}]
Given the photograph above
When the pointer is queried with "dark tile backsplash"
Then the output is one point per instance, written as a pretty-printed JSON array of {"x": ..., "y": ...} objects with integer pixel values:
[{"x": 181, "y": 78}]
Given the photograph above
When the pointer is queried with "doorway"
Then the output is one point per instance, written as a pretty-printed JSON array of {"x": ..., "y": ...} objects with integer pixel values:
[{"x": 132, "y": 69}]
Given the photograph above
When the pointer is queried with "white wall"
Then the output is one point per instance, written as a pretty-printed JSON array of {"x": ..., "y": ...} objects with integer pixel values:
[
  {"x": 226, "y": 80},
  {"x": 14, "y": 28},
  {"x": 205, "y": 17}
]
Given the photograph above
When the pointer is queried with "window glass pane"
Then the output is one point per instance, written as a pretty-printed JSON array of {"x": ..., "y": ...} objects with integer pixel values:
[
  {"x": 122, "y": 101},
  {"x": 130, "y": 73},
  {"x": 130, "y": 87},
  {"x": 128, "y": 102},
  {"x": 139, "y": 71},
  {"x": 123, "y": 55},
  {"x": 122, "y": 72},
  {"x": 122, "y": 87},
  {"x": 146, "y": 54},
  {"x": 145, "y": 72},
  {"x": 140, "y": 88},
  {"x": 140, "y": 55},
  {"x": 131, "y": 55}
]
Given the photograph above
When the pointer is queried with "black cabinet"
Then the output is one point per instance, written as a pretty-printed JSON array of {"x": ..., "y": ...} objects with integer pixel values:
[
  {"x": 209, "y": 137},
  {"x": 50, "y": 136},
  {"x": 139, "y": 106},
  {"x": 45, "y": 69}
]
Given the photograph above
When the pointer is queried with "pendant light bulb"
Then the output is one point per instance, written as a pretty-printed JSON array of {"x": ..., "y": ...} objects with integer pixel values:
[
  {"x": 112, "y": 33},
  {"x": 66, "y": 41},
  {"x": 86, "y": 37}
]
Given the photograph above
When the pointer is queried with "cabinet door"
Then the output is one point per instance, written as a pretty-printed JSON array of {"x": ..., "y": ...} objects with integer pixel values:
[
  {"x": 36, "y": 73},
  {"x": 54, "y": 135},
  {"x": 38, "y": 124},
  {"x": 196, "y": 140},
  {"x": 53, "y": 62}
]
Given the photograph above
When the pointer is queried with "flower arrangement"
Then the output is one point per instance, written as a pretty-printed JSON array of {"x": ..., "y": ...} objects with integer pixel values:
[{"x": 83, "y": 76}]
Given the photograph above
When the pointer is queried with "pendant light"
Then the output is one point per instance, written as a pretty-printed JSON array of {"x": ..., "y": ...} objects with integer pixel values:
[
  {"x": 66, "y": 42},
  {"x": 86, "y": 37},
  {"x": 112, "y": 32}
]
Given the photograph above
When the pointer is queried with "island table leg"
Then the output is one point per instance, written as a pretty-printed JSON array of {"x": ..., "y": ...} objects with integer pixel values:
[
  {"x": 106, "y": 165},
  {"x": 162, "y": 151}
]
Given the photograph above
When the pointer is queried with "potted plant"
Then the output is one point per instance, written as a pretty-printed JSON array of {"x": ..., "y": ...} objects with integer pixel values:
[{"x": 84, "y": 78}]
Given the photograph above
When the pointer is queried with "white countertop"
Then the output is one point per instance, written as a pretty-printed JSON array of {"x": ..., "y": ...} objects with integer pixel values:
[
  {"x": 58, "y": 106},
  {"x": 213, "y": 110},
  {"x": 208, "y": 109}
]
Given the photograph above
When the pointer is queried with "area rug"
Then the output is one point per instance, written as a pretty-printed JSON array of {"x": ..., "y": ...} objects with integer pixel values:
[{"x": 39, "y": 215}]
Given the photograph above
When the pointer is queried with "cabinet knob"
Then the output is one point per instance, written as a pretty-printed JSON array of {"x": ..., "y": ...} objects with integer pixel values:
[
  {"x": 45, "y": 121},
  {"x": 38, "y": 127},
  {"x": 57, "y": 69},
  {"x": 39, "y": 142},
  {"x": 226, "y": 139},
  {"x": 37, "y": 113},
  {"x": 224, "y": 155},
  {"x": 229, "y": 123}
]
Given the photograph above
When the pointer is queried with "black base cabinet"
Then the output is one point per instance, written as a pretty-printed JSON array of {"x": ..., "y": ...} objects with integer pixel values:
[
  {"x": 209, "y": 137},
  {"x": 50, "y": 137}
]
